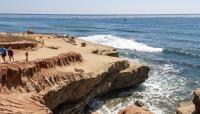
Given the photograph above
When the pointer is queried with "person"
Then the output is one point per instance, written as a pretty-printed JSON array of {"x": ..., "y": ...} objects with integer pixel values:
[
  {"x": 43, "y": 41},
  {"x": 26, "y": 54},
  {"x": 10, "y": 54},
  {"x": 3, "y": 52}
]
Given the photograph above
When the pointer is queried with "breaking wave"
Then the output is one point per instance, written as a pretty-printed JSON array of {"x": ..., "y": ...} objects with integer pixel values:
[
  {"x": 163, "y": 83},
  {"x": 182, "y": 52},
  {"x": 121, "y": 43}
]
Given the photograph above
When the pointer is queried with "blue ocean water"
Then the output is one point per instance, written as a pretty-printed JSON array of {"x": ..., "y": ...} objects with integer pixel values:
[{"x": 169, "y": 44}]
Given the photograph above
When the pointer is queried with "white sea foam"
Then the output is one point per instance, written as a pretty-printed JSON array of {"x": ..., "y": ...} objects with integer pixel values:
[
  {"x": 161, "y": 88},
  {"x": 121, "y": 43}
]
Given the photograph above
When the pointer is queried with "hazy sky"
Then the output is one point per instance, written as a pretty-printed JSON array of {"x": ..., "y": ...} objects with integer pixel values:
[{"x": 101, "y": 6}]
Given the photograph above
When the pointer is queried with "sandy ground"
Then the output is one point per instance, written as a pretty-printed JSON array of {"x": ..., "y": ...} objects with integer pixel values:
[{"x": 91, "y": 61}]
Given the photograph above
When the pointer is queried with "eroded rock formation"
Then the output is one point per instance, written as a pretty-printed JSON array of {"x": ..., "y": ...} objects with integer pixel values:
[
  {"x": 109, "y": 52},
  {"x": 44, "y": 87},
  {"x": 19, "y": 44},
  {"x": 30, "y": 76}
]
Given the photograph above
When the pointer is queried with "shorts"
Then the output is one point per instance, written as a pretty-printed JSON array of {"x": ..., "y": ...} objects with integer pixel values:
[{"x": 3, "y": 55}]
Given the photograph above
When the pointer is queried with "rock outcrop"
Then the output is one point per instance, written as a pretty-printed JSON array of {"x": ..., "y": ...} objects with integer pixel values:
[
  {"x": 19, "y": 44},
  {"x": 109, "y": 52},
  {"x": 196, "y": 100},
  {"x": 45, "y": 86},
  {"x": 133, "y": 109},
  {"x": 28, "y": 76},
  {"x": 191, "y": 108},
  {"x": 101, "y": 83}
]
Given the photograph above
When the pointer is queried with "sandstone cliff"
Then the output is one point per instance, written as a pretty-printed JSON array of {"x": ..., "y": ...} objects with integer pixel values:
[
  {"x": 15, "y": 41},
  {"x": 54, "y": 81},
  {"x": 41, "y": 86},
  {"x": 19, "y": 44}
]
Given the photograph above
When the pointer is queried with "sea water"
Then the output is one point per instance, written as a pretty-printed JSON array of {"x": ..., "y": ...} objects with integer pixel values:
[{"x": 168, "y": 44}]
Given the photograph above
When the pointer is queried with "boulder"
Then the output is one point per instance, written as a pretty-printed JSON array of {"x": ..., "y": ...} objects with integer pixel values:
[
  {"x": 83, "y": 44},
  {"x": 30, "y": 32},
  {"x": 139, "y": 103},
  {"x": 133, "y": 109}
]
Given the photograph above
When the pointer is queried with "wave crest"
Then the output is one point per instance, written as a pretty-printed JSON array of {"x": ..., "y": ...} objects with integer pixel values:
[{"x": 121, "y": 43}]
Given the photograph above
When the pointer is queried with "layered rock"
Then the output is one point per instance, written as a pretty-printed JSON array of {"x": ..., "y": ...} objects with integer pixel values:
[
  {"x": 28, "y": 76},
  {"x": 98, "y": 84},
  {"x": 19, "y": 44},
  {"x": 44, "y": 86}
]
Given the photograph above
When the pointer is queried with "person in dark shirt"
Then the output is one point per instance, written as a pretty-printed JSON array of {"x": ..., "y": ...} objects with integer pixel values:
[
  {"x": 26, "y": 54},
  {"x": 10, "y": 54},
  {"x": 3, "y": 53}
]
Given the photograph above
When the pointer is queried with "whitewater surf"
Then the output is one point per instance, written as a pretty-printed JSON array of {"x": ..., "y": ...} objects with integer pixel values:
[{"x": 121, "y": 43}]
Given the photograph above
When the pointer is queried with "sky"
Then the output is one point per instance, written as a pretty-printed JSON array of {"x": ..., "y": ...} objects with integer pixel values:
[{"x": 100, "y": 6}]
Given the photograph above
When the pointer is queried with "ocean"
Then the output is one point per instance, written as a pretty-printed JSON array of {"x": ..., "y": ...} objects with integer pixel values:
[{"x": 168, "y": 44}]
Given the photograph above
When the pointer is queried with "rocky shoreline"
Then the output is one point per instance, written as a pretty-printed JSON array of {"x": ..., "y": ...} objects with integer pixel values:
[
  {"x": 64, "y": 82},
  {"x": 191, "y": 108}
]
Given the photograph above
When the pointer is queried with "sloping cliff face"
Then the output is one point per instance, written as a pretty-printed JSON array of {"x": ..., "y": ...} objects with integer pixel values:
[
  {"x": 98, "y": 84},
  {"x": 191, "y": 108},
  {"x": 44, "y": 87},
  {"x": 19, "y": 44},
  {"x": 30, "y": 76}
]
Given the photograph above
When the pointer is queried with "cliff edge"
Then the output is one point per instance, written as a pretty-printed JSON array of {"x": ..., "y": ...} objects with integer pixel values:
[{"x": 63, "y": 80}]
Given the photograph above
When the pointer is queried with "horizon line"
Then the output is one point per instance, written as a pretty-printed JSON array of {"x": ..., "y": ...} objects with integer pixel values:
[{"x": 100, "y": 14}]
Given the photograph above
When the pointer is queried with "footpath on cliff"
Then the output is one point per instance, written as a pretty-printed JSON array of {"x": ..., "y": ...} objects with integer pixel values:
[{"x": 62, "y": 75}]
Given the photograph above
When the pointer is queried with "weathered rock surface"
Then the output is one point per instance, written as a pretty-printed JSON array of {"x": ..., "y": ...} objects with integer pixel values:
[
  {"x": 19, "y": 44},
  {"x": 22, "y": 104},
  {"x": 31, "y": 76},
  {"x": 139, "y": 103},
  {"x": 109, "y": 52},
  {"x": 133, "y": 109},
  {"x": 186, "y": 108},
  {"x": 43, "y": 87},
  {"x": 98, "y": 84},
  {"x": 196, "y": 100},
  {"x": 190, "y": 108}
]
